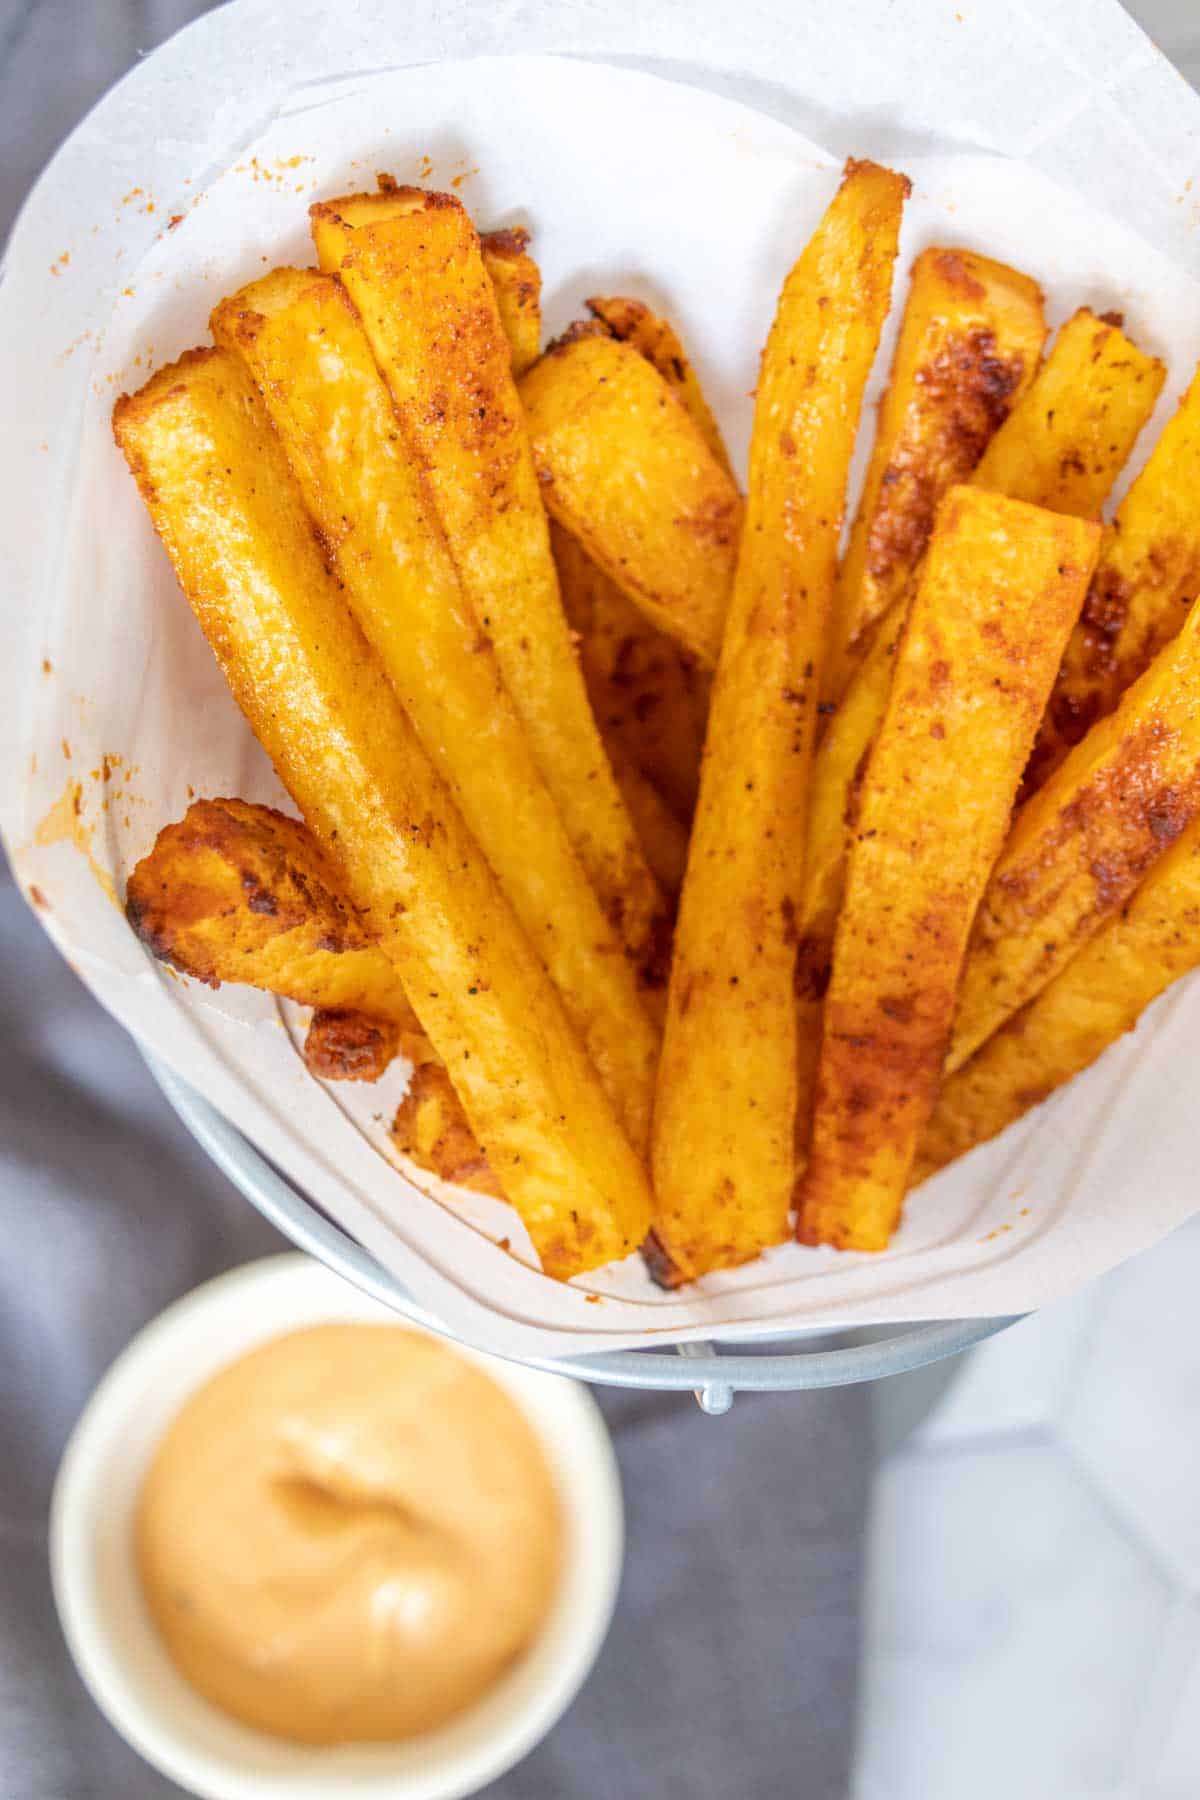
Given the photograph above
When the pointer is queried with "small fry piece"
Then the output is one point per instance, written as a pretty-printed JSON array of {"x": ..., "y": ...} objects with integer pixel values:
[
  {"x": 517, "y": 281},
  {"x": 1147, "y": 577},
  {"x": 723, "y": 1148},
  {"x": 969, "y": 346},
  {"x": 226, "y": 505},
  {"x": 413, "y": 266},
  {"x": 1000, "y": 589},
  {"x": 656, "y": 339},
  {"x": 1152, "y": 941},
  {"x": 1071, "y": 432},
  {"x": 650, "y": 697},
  {"x": 431, "y": 1129},
  {"x": 235, "y": 891},
  {"x": 1081, "y": 845},
  {"x": 301, "y": 340},
  {"x": 349, "y": 1046},
  {"x": 239, "y": 892},
  {"x": 1062, "y": 446},
  {"x": 626, "y": 470}
]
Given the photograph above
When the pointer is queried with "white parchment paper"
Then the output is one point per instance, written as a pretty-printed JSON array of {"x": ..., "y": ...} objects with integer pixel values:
[{"x": 1075, "y": 164}]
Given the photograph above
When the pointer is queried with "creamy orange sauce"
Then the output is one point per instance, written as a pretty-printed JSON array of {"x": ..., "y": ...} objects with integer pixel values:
[{"x": 348, "y": 1535}]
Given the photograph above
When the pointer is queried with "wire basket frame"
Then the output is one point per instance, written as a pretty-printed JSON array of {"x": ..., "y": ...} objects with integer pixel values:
[{"x": 713, "y": 1375}]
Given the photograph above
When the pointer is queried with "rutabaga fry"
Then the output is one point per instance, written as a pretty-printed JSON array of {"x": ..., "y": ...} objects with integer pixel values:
[
  {"x": 431, "y": 1129},
  {"x": 649, "y": 696},
  {"x": 1079, "y": 848},
  {"x": 302, "y": 343},
  {"x": 1070, "y": 434},
  {"x": 227, "y": 507},
  {"x": 656, "y": 339},
  {"x": 626, "y": 470},
  {"x": 239, "y": 892},
  {"x": 517, "y": 282},
  {"x": 1152, "y": 941},
  {"x": 412, "y": 264},
  {"x": 999, "y": 591},
  {"x": 969, "y": 346},
  {"x": 663, "y": 839},
  {"x": 1062, "y": 446},
  {"x": 1147, "y": 577},
  {"x": 723, "y": 1151}
]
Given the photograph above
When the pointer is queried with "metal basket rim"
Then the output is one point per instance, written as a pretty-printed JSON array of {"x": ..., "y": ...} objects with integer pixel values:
[{"x": 713, "y": 1376}]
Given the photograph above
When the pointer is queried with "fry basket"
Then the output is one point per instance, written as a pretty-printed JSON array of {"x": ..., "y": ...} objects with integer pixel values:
[{"x": 713, "y": 1374}]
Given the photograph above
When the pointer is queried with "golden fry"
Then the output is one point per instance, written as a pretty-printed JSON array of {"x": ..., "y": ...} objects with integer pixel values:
[
  {"x": 302, "y": 342},
  {"x": 1072, "y": 431},
  {"x": 238, "y": 892},
  {"x": 1102, "y": 992},
  {"x": 226, "y": 505},
  {"x": 999, "y": 592},
  {"x": 1147, "y": 577},
  {"x": 626, "y": 470},
  {"x": 1062, "y": 446},
  {"x": 656, "y": 339},
  {"x": 723, "y": 1151},
  {"x": 1081, "y": 845},
  {"x": 517, "y": 281},
  {"x": 663, "y": 838},
  {"x": 969, "y": 346},
  {"x": 413, "y": 266},
  {"x": 650, "y": 697}
]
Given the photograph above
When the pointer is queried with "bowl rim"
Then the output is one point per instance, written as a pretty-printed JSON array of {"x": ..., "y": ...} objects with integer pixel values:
[{"x": 220, "y": 1320}]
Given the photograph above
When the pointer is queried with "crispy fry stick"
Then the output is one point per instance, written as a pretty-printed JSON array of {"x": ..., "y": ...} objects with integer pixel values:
[
  {"x": 1102, "y": 992},
  {"x": 723, "y": 1153},
  {"x": 226, "y": 505},
  {"x": 969, "y": 346},
  {"x": 1081, "y": 845},
  {"x": 412, "y": 264},
  {"x": 1147, "y": 577},
  {"x": 1062, "y": 446},
  {"x": 517, "y": 281},
  {"x": 648, "y": 695},
  {"x": 1000, "y": 589},
  {"x": 626, "y": 470},
  {"x": 303, "y": 345},
  {"x": 656, "y": 339},
  {"x": 1067, "y": 439}
]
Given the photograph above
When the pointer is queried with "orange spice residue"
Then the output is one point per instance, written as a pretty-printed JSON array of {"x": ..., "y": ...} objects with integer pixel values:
[
  {"x": 64, "y": 824},
  {"x": 39, "y": 899},
  {"x": 425, "y": 168},
  {"x": 47, "y": 666},
  {"x": 466, "y": 175}
]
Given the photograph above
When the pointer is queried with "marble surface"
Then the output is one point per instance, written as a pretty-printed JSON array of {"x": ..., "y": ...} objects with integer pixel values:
[{"x": 1033, "y": 1588}]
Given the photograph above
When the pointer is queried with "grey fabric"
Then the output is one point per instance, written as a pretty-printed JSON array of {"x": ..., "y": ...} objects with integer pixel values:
[{"x": 730, "y": 1668}]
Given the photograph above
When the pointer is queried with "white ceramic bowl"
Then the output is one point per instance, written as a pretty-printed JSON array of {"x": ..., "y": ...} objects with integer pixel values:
[{"x": 112, "y": 1638}]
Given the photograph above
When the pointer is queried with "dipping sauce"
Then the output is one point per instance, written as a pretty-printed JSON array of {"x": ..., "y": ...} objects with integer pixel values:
[{"x": 348, "y": 1535}]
